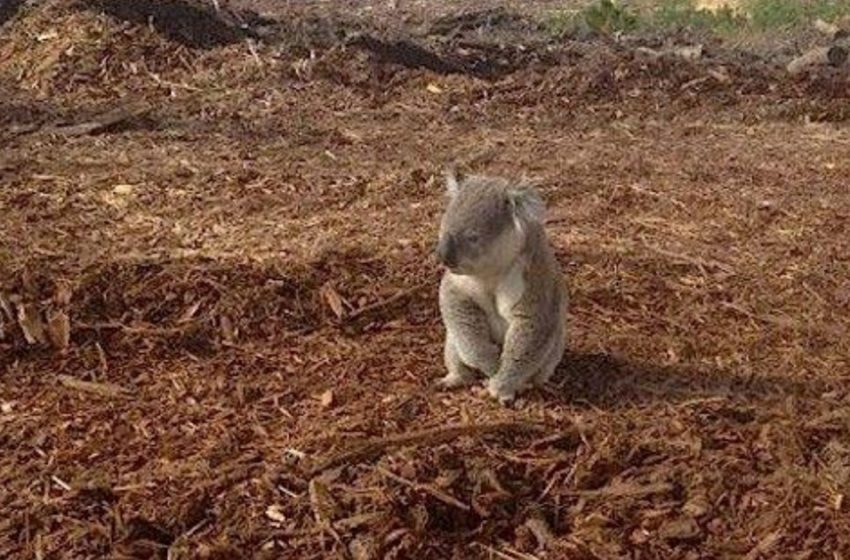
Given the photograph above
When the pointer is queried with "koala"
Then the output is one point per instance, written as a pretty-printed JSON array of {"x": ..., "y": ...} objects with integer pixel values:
[{"x": 502, "y": 296}]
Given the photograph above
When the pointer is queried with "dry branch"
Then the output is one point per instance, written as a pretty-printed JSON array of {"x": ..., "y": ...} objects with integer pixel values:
[
  {"x": 388, "y": 301},
  {"x": 102, "y": 122},
  {"x": 834, "y": 55},
  {"x": 626, "y": 490},
  {"x": 369, "y": 448},
  {"x": 444, "y": 497},
  {"x": 103, "y": 389}
]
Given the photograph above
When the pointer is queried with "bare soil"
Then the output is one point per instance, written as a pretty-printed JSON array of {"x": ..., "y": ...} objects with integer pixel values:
[{"x": 218, "y": 323}]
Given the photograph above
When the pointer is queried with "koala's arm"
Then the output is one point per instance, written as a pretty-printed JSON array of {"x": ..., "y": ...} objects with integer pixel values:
[
  {"x": 469, "y": 329},
  {"x": 529, "y": 339}
]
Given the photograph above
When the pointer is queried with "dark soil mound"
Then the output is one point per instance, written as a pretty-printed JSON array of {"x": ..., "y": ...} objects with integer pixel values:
[{"x": 189, "y": 23}]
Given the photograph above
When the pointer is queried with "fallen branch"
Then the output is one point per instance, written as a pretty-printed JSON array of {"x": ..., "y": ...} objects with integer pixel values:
[
  {"x": 102, "y": 389},
  {"x": 835, "y": 55},
  {"x": 625, "y": 490},
  {"x": 372, "y": 447},
  {"x": 444, "y": 497},
  {"x": 102, "y": 122},
  {"x": 388, "y": 301},
  {"x": 692, "y": 261},
  {"x": 689, "y": 53}
]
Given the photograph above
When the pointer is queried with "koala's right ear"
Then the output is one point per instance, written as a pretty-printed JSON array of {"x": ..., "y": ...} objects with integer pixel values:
[
  {"x": 453, "y": 179},
  {"x": 527, "y": 204}
]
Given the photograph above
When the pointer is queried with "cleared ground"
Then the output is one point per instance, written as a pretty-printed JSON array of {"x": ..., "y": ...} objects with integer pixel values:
[{"x": 238, "y": 235}]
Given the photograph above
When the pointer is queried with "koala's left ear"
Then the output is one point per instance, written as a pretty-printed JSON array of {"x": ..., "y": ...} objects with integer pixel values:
[
  {"x": 453, "y": 180},
  {"x": 527, "y": 204}
]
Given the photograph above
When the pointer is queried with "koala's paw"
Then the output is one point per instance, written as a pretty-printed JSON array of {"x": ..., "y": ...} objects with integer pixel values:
[
  {"x": 503, "y": 394},
  {"x": 452, "y": 381}
]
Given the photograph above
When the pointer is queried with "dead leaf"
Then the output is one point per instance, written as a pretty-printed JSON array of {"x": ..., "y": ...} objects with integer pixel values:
[
  {"x": 334, "y": 300},
  {"x": 31, "y": 324},
  {"x": 327, "y": 399},
  {"x": 321, "y": 500},
  {"x": 6, "y": 307},
  {"x": 363, "y": 547},
  {"x": 101, "y": 358},
  {"x": 697, "y": 506},
  {"x": 63, "y": 294},
  {"x": 59, "y": 329},
  {"x": 228, "y": 333},
  {"x": 764, "y": 546},
  {"x": 103, "y": 389},
  {"x": 189, "y": 313},
  {"x": 6, "y": 407},
  {"x": 274, "y": 513},
  {"x": 434, "y": 88},
  {"x": 351, "y": 136},
  {"x": 682, "y": 529}
]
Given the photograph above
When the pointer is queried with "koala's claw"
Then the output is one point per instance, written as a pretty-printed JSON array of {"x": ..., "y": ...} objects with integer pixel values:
[{"x": 452, "y": 382}]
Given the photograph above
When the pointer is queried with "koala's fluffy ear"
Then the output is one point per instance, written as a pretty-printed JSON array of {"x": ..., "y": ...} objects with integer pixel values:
[
  {"x": 453, "y": 179},
  {"x": 527, "y": 204}
]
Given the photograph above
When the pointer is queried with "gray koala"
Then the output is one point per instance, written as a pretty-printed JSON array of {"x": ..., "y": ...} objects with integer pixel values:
[{"x": 502, "y": 296}]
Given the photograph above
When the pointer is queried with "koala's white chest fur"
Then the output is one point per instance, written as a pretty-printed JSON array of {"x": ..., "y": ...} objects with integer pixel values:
[{"x": 496, "y": 300}]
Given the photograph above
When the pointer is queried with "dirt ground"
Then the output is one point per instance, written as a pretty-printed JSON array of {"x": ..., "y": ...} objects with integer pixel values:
[{"x": 219, "y": 328}]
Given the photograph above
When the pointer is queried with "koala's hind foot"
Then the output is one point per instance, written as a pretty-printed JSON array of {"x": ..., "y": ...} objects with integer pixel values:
[
  {"x": 504, "y": 392},
  {"x": 459, "y": 374},
  {"x": 553, "y": 359}
]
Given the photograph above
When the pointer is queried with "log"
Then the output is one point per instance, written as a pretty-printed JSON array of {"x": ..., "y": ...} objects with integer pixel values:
[{"x": 835, "y": 55}]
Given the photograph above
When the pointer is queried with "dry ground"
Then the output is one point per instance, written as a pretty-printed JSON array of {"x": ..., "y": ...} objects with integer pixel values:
[{"x": 245, "y": 268}]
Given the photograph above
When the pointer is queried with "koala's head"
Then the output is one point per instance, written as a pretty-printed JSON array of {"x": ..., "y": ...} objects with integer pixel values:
[{"x": 485, "y": 224}]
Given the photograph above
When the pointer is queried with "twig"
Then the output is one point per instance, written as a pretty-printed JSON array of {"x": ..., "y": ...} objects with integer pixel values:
[
  {"x": 444, "y": 497},
  {"x": 144, "y": 330},
  {"x": 623, "y": 490},
  {"x": 514, "y": 554},
  {"x": 694, "y": 261},
  {"x": 371, "y": 447},
  {"x": 388, "y": 301},
  {"x": 835, "y": 55},
  {"x": 103, "y": 121},
  {"x": 103, "y": 389},
  {"x": 61, "y": 483}
]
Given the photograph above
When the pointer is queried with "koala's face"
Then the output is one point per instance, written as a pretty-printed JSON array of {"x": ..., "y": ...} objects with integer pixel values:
[{"x": 478, "y": 230}]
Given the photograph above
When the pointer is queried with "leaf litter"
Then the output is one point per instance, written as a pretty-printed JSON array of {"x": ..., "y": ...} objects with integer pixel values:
[{"x": 236, "y": 360}]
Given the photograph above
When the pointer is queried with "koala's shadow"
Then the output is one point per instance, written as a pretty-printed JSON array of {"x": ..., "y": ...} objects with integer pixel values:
[{"x": 606, "y": 381}]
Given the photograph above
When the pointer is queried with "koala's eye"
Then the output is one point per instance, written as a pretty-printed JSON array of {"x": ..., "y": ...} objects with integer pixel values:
[{"x": 472, "y": 237}]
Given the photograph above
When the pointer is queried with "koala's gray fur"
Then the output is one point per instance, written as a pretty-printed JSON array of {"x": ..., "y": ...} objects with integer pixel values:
[{"x": 502, "y": 297}]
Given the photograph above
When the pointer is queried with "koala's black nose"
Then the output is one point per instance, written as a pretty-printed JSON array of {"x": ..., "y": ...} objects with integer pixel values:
[{"x": 447, "y": 252}]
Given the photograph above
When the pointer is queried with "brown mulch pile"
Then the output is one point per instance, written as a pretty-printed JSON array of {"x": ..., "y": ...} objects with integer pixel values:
[{"x": 218, "y": 322}]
